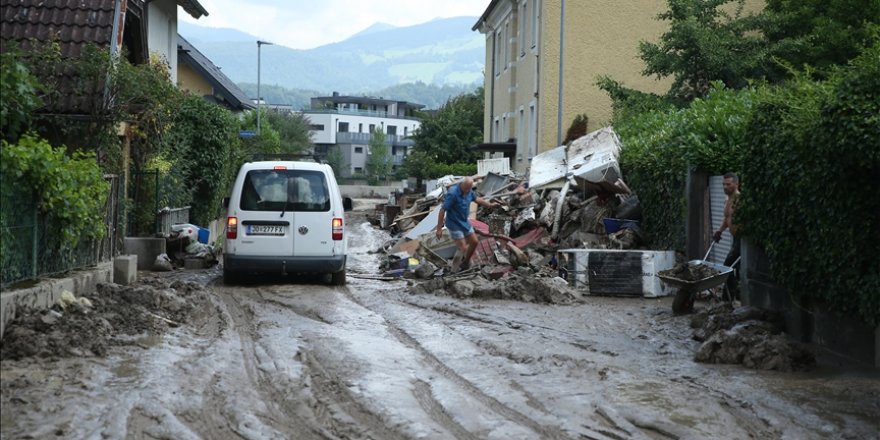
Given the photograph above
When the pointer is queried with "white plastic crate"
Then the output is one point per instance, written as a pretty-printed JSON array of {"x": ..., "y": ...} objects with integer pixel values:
[{"x": 612, "y": 272}]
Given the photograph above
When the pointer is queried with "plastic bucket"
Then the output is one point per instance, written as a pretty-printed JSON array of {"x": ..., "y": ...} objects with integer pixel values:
[{"x": 204, "y": 235}]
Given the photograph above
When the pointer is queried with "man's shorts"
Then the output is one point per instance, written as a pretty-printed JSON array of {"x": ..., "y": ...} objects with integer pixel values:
[{"x": 458, "y": 235}]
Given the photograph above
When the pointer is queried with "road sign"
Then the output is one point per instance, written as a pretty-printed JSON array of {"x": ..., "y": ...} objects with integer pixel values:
[{"x": 247, "y": 133}]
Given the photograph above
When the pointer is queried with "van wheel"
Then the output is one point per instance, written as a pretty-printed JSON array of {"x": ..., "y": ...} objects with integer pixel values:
[
  {"x": 338, "y": 278},
  {"x": 230, "y": 278}
]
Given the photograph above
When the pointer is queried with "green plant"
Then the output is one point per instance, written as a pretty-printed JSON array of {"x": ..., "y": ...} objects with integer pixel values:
[
  {"x": 336, "y": 160},
  {"x": 201, "y": 145},
  {"x": 378, "y": 165},
  {"x": 809, "y": 169},
  {"x": 19, "y": 89},
  {"x": 660, "y": 146},
  {"x": 71, "y": 188}
]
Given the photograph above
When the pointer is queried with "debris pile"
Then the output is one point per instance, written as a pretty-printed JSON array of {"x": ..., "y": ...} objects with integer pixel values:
[
  {"x": 114, "y": 315},
  {"x": 573, "y": 198},
  {"x": 188, "y": 247},
  {"x": 748, "y": 336}
]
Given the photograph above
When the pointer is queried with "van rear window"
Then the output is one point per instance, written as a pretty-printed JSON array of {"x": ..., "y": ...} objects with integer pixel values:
[{"x": 285, "y": 190}]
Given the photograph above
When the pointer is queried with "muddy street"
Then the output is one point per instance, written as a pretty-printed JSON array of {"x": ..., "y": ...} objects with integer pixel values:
[{"x": 299, "y": 359}]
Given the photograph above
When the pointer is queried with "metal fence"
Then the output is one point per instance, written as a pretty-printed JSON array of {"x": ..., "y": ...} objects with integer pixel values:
[
  {"x": 154, "y": 198},
  {"x": 32, "y": 245}
]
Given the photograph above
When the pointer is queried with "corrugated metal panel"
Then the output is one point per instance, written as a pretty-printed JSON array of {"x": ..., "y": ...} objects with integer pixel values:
[{"x": 717, "y": 199}]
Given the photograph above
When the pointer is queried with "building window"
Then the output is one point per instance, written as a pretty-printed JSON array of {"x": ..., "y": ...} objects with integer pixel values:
[
  {"x": 358, "y": 170},
  {"x": 521, "y": 20},
  {"x": 533, "y": 132},
  {"x": 360, "y": 128},
  {"x": 316, "y": 127},
  {"x": 392, "y": 129},
  {"x": 359, "y": 150},
  {"x": 520, "y": 126},
  {"x": 405, "y": 131},
  {"x": 498, "y": 45},
  {"x": 506, "y": 43},
  {"x": 343, "y": 127},
  {"x": 536, "y": 6},
  {"x": 372, "y": 128}
]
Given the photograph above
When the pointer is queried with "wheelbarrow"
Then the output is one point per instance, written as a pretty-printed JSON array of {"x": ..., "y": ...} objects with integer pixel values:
[{"x": 688, "y": 289}]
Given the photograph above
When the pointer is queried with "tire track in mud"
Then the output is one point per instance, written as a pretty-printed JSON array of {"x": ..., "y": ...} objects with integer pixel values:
[
  {"x": 332, "y": 397},
  {"x": 335, "y": 408},
  {"x": 423, "y": 394},
  {"x": 542, "y": 431},
  {"x": 288, "y": 419}
]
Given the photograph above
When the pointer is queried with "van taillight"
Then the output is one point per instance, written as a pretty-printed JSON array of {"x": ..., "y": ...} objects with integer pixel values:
[
  {"x": 337, "y": 229},
  {"x": 231, "y": 228}
]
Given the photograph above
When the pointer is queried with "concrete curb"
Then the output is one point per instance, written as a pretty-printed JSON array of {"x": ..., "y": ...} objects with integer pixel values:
[{"x": 48, "y": 290}]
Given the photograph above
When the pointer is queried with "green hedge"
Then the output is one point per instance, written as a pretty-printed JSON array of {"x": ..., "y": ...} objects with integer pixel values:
[
  {"x": 810, "y": 172},
  {"x": 660, "y": 146},
  {"x": 808, "y": 154}
]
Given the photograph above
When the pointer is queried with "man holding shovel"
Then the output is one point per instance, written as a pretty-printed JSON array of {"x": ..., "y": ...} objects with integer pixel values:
[
  {"x": 454, "y": 214},
  {"x": 731, "y": 189}
]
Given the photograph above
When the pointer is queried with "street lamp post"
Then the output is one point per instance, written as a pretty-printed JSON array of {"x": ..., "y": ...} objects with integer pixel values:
[{"x": 259, "y": 98}]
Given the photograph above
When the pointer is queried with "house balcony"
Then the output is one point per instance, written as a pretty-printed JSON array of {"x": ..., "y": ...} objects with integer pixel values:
[
  {"x": 364, "y": 139},
  {"x": 359, "y": 112}
]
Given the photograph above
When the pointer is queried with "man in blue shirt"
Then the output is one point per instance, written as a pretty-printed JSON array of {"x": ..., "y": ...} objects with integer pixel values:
[{"x": 454, "y": 214}]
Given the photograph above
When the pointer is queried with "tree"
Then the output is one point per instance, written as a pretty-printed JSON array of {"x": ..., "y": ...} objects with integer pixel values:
[
  {"x": 293, "y": 130},
  {"x": 336, "y": 160},
  {"x": 816, "y": 33},
  {"x": 379, "y": 160},
  {"x": 448, "y": 135},
  {"x": 704, "y": 43},
  {"x": 19, "y": 88}
]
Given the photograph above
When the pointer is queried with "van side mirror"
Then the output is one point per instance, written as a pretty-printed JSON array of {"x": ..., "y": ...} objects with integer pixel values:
[
  {"x": 347, "y": 204},
  {"x": 226, "y": 202}
]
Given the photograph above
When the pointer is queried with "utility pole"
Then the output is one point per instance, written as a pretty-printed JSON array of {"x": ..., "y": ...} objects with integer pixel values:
[{"x": 259, "y": 98}]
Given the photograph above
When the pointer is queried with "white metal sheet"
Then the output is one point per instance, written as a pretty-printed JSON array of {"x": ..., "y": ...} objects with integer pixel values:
[{"x": 717, "y": 199}]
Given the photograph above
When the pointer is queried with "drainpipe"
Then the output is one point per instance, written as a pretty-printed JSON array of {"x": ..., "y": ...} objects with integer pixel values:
[
  {"x": 492, "y": 88},
  {"x": 561, "y": 76}
]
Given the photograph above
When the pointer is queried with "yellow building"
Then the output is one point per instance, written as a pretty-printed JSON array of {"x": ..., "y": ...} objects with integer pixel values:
[{"x": 543, "y": 58}]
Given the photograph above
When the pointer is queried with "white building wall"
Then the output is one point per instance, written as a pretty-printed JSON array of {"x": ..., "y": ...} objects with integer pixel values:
[
  {"x": 162, "y": 32},
  {"x": 356, "y": 124}
]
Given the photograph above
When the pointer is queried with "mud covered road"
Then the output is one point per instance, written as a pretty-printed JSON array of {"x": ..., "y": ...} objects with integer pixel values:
[{"x": 297, "y": 359}]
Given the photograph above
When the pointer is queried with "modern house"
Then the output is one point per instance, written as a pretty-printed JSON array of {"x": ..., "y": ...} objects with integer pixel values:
[
  {"x": 196, "y": 74},
  {"x": 347, "y": 122}
]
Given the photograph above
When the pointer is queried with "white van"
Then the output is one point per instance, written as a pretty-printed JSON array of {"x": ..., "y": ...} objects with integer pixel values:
[{"x": 285, "y": 217}]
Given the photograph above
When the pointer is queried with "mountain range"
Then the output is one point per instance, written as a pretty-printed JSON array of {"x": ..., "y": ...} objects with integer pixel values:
[{"x": 442, "y": 53}]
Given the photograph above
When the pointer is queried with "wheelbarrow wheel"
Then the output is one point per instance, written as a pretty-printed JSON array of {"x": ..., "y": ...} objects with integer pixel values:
[{"x": 683, "y": 302}]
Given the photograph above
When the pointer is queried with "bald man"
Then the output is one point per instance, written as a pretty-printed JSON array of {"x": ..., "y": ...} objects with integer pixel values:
[{"x": 454, "y": 214}]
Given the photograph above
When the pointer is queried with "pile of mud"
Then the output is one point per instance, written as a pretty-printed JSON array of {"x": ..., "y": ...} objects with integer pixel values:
[
  {"x": 748, "y": 336},
  {"x": 111, "y": 316},
  {"x": 690, "y": 272},
  {"x": 513, "y": 286}
]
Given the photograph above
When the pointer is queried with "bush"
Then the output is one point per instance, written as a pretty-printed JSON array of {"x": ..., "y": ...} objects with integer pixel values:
[
  {"x": 71, "y": 188},
  {"x": 809, "y": 165},
  {"x": 660, "y": 146}
]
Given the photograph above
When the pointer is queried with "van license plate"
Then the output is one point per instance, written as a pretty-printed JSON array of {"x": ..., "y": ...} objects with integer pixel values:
[{"x": 265, "y": 230}]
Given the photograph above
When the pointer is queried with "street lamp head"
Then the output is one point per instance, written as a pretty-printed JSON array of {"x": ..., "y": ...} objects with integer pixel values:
[{"x": 260, "y": 43}]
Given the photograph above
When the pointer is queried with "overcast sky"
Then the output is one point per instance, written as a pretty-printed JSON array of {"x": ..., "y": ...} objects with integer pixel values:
[{"x": 305, "y": 24}]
